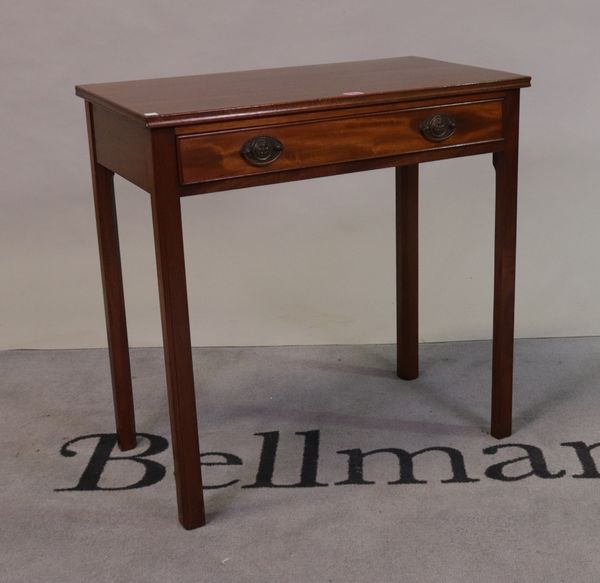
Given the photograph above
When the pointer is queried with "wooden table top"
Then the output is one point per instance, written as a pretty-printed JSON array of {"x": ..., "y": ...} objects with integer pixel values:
[{"x": 183, "y": 100}]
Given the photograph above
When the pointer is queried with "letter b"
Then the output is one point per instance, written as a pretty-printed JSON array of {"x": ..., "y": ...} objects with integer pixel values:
[{"x": 153, "y": 471}]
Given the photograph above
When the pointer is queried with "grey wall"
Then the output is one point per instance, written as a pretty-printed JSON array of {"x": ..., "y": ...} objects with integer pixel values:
[{"x": 308, "y": 262}]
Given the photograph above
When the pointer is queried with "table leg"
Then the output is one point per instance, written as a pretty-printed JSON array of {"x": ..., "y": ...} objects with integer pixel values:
[
  {"x": 114, "y": 301},
  {"x": 168, "y": 240},
  {"x": 407, "y": 271},
  {"x": 505, "y": 163}
]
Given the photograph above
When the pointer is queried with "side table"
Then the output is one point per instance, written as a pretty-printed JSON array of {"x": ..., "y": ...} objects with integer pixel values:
[{"x": 183, "y": 136}]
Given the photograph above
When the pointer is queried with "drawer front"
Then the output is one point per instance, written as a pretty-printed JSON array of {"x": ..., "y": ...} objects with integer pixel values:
[{"x": 234, "y": 153}]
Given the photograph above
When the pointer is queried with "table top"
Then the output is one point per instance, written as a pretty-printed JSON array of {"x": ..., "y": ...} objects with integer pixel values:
[{"x": 192, "y": 99}]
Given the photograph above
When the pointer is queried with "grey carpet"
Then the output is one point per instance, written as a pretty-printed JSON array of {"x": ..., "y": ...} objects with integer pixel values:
[{"x": 536, "y": 528}]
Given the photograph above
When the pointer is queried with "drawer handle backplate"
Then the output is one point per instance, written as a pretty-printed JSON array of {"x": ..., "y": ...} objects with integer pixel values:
[
  {"x": 438, "y": 127},
  {"x": 262, "y": 150}
]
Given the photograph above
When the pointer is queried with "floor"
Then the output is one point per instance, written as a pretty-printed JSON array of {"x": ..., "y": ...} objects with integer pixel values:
[{"x": 296, "y": 490}]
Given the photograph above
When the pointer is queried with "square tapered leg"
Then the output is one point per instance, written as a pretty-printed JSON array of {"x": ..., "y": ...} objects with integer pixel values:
[
  {"x": 114, "y": 300},
  {"x": 505, "y": 163},
  {"x": 168, "y": 241},
  {"x": 407, "y": 271}
]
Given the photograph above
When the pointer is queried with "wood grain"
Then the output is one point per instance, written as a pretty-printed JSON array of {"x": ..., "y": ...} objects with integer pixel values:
[
  {"x": 112, "y": 286},
  {"x": 340, "y": 168},
  {"x": 192, "y": 99},
  {"x": 407, "y": 271},
  {"x": 217, "y": 156},
  {"x": 124, "y": 146},
  {"x": 506, "y": 165},
  {"x": 168, "y": 241},
  {"x": 216, "y": 125}
]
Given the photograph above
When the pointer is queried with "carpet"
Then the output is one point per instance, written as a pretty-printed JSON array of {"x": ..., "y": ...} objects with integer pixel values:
[{"x": 320, "y": 465}]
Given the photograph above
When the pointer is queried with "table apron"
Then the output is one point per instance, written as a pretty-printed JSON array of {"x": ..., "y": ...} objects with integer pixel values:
[{"x": 294, "y": 146}]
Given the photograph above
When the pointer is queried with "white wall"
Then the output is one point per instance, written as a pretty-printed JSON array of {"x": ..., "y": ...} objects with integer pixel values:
[{"x": 308, "y": 262}]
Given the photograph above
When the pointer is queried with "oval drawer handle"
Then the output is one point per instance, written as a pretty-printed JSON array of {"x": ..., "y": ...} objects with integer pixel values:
[
  {"x": 438, "y": 127},
  {"x": 261, "y": 150}
]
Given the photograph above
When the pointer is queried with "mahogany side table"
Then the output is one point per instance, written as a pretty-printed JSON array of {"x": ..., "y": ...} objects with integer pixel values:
[{"x": 191, "y": 135}]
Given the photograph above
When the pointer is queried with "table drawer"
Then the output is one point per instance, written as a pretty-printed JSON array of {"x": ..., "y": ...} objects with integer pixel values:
[{"x": 258, "y": 150}]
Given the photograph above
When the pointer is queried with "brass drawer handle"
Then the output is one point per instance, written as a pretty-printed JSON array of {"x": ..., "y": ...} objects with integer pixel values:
[
  {"x": 438, "y": 127},
  {"x": 261, "y": 150}
]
